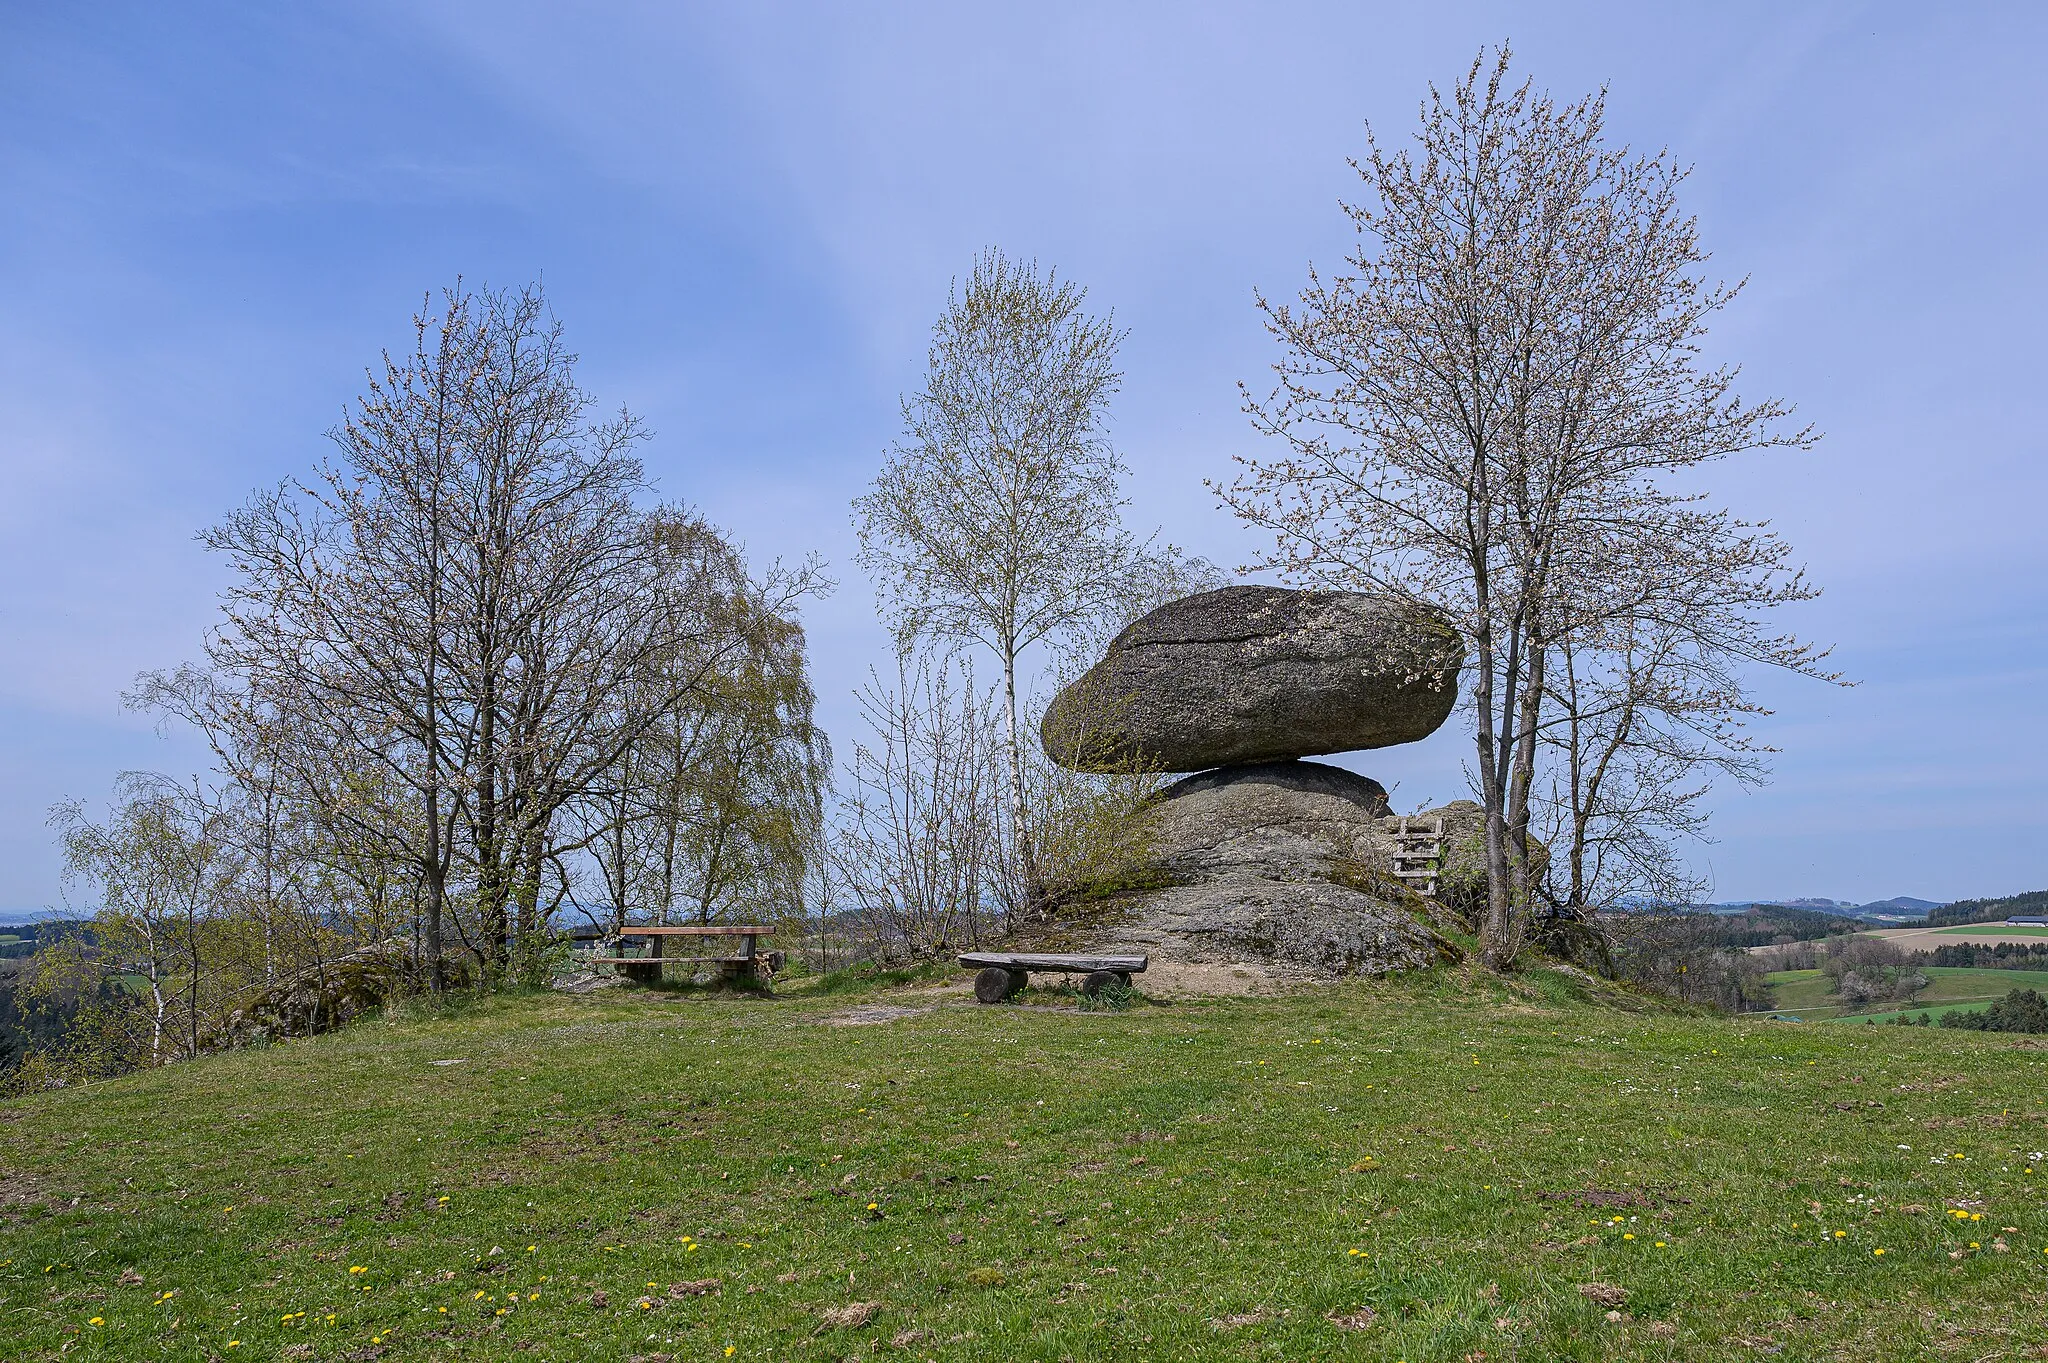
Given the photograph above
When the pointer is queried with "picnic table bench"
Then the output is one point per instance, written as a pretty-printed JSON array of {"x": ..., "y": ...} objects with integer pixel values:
[
  {"x": 647, "y": 968},
  {"x": 1004, "y": 973}
]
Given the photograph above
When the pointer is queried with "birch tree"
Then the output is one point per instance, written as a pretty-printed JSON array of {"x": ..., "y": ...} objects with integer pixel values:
[
  {"x": 996, "y": 518},
  {"x": 1486, "y": 410},
  {"x": 159, "y": 869}
]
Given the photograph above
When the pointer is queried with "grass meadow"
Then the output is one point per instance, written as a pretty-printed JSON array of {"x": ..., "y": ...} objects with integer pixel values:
[{"x": 1438, "y": 1167}]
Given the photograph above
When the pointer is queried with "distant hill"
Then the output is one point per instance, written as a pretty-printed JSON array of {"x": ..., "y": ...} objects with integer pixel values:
[
  {"x": 1989, "y": 910},
  {"x": 1756, "y": 925},
  {"x": 1899, "y": 909}
]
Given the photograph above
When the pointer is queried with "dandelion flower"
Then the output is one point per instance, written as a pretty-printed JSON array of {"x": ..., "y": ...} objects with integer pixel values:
[
  {"x": 730, "y": 1349},
  {"x": 1879, "y": 1251},
  {"x": 97, "y": 1320}
]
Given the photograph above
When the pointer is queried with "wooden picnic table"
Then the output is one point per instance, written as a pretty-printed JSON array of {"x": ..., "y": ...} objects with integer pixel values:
[{"x": 648, "y": 968}]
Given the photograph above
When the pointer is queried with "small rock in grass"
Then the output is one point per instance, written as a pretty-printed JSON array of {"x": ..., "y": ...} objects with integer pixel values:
[{"x": 1603, "y": 1294}]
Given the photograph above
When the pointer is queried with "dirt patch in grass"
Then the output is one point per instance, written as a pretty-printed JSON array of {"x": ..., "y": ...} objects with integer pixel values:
[{"x": 872, "y": 1015}]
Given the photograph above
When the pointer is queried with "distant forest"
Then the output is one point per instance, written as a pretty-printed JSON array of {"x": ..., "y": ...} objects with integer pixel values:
[
  {"x": 1989, "y": 910},
  {"x": 1760, "y": 925}
]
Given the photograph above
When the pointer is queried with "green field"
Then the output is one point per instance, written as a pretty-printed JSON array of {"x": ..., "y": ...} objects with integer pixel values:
[
  {"x": 1418, "y": 1170},
  {"x": 1984, "y": 929},
  {"x": 1808, "y": 993}
]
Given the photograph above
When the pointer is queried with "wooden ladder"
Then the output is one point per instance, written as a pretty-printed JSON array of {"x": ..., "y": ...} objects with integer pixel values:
[{"x": 1418, "y": 852}]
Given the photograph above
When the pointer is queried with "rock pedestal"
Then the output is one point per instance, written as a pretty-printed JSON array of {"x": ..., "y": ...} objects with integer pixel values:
[{"x": 1281, "y": 863}]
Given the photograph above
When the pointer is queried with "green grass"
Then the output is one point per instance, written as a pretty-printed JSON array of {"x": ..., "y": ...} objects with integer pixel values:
[
  {"x": 1992, "y": 928},
  {"x": 1808, "y": 993},
  {"x": 1202, "y": 1180},
  {"x": 1935, "y": 1012}
]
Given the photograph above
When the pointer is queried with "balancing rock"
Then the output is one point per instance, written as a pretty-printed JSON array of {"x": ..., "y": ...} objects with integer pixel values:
[{"x": 1258, "y": 674}]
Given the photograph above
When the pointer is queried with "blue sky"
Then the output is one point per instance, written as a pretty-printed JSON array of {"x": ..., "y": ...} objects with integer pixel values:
[{"x": 212, "y": 217}]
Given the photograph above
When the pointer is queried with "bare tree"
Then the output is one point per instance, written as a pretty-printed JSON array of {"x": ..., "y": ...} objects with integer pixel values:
[
  {"x": 996, "y": 518},
  {"x": 1485, "y": 410},
  {"x": 472, "y": 603},
  {"x": 919, "y": 844},
  {"x": 343, "y": 613}
]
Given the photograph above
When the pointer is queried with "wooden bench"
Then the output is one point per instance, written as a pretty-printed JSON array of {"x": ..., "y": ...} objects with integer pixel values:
[
  {"x": 647, "y": 969},
  {"x": 1004, "y": 973}
]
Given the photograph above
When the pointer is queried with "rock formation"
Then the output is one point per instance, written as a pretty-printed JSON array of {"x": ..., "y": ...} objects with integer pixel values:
[
  {"x": 1279, "y": 863},
  {"x": 1257, "y": 674},
  {"x": 1265, "y": 859},
  {"x": 327, "y": 996}
]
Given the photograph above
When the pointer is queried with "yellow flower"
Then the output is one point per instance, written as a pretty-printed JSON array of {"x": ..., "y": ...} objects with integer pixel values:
[
  {"x": 1879, "y": 1251},
  {"x": 730, "y": 1349},
  {"x": 1662, "y": 1245},
  {"x": 234, "y": 1344},
  {"x": 358, "y": 1268},
  {"x": 97, "y": 1320},
  {"x": 1628, "y": 1235}
]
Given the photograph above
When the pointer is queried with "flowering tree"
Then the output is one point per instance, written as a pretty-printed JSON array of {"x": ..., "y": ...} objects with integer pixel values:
[{"x": 1485, "y": 411}]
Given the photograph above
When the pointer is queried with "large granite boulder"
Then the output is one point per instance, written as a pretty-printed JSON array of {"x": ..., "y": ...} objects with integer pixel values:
[
  {"x": 1279, "y": 864},
  {"x": 1254, "y": 674}
]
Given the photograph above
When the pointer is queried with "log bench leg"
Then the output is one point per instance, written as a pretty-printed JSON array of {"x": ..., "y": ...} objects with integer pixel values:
[
  {"x": 1099, "y": 980},
  {"x": 995, "y": 984}
]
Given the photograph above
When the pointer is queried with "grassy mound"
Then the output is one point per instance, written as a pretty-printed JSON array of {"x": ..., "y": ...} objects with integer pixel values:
[{"x": 1436, "y": 1168}]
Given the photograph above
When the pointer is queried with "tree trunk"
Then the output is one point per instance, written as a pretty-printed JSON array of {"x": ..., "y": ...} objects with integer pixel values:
[{"x": 1027, "y": 852}]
